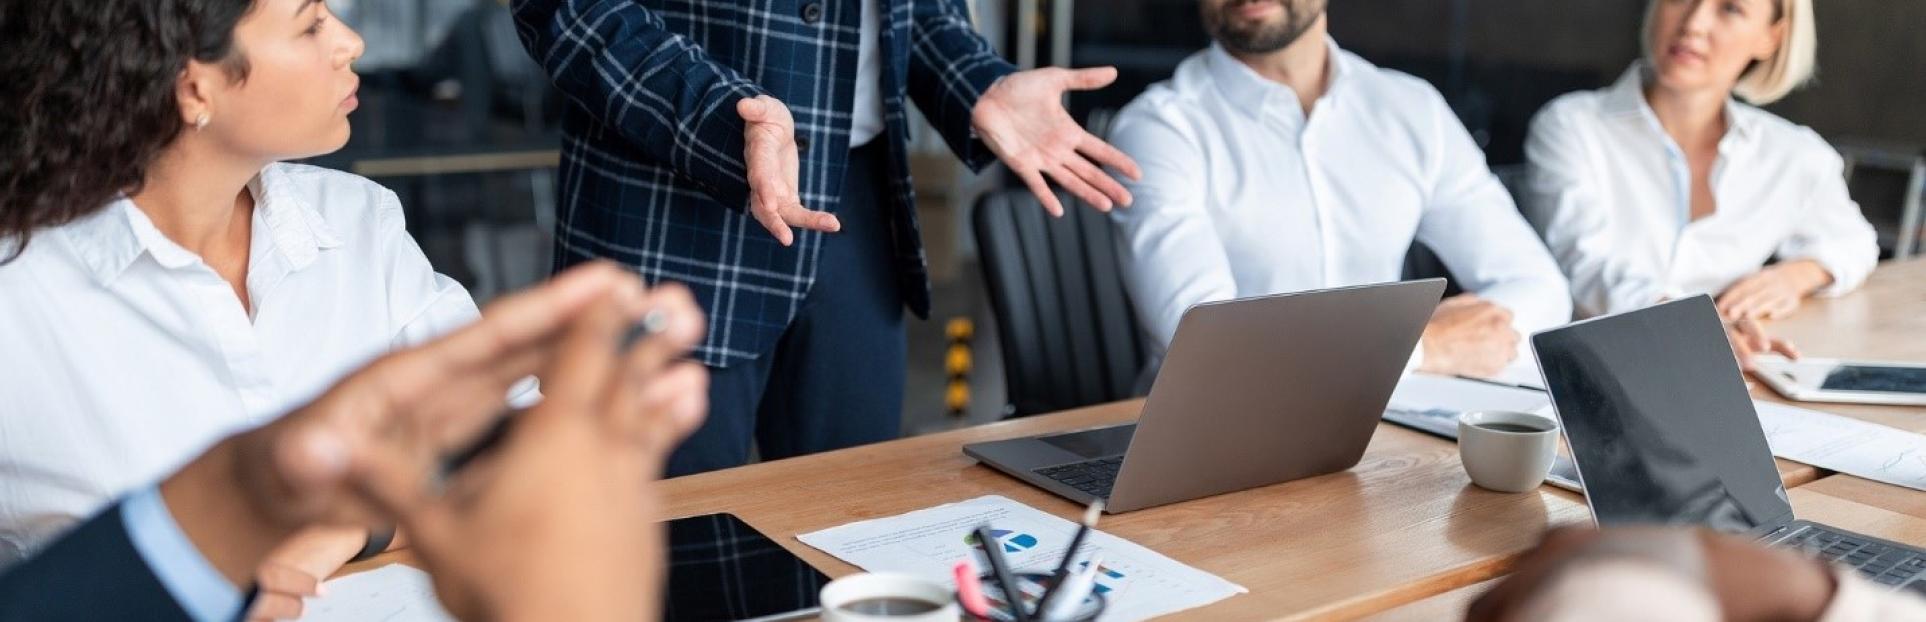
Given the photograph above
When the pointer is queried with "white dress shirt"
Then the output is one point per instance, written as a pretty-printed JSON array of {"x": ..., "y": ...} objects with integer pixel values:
[
  {"x": 866, "y": 121},
  {"x": 1612, "y": 194},
  {"x": 1242, "y": 195},
  {"x": 123, "y": 355}
]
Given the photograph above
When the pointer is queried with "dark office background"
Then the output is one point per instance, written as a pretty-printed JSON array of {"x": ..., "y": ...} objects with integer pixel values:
[
  {"x": 1498, "y": 61},
  {"x": 461, "y": 123}
]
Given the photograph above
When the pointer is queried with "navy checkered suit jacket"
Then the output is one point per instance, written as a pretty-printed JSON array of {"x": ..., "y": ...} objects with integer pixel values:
[{"x": 652, "y": 171}]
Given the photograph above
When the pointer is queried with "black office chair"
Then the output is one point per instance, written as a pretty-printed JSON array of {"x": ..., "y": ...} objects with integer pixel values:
[
  {"x": 1068, "y": 334},
  {"x": 1890, "y": 188}
]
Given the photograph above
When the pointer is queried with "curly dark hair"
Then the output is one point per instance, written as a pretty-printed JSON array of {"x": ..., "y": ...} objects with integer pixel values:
[{"x": 89, "y": 100}]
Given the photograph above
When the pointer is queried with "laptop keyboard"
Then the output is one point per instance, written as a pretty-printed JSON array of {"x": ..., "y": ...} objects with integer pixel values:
[
  {"x": 1095, "y": 477},
  {"x": 1883, "y": 563}
]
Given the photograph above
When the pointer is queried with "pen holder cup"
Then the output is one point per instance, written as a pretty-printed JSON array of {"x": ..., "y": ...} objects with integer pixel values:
[{"x": 1033, "y": 586}]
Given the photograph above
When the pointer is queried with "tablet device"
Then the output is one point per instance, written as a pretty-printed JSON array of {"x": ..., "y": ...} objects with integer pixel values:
[
  {"x": 1852, "y": 382},
  {"x": 720, "y": 568}
]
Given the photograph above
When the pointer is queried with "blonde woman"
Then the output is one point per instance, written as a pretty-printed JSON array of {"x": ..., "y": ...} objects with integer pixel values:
[{"x": 1662, "y": 185}]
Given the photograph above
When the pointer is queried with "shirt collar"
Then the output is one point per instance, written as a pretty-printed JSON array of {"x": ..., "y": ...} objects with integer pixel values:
[
  {"x": 1626, "y": 98},
  {"x": 110, "y": 240},
  {"x": 296, "y": 228},
  {"x": 1253, "y": 94}
]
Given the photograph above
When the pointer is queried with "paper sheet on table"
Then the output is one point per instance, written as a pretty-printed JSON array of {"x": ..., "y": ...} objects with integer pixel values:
[
  {"x": 1844, "y": 444},
  {"x": 1139, "y": 582},
  {"x": 1427, "y": 392},
  {"x": 391, "y": 593},
  {"x": 1433, "y": 403},
  {"x": 1523, "y": 370}
]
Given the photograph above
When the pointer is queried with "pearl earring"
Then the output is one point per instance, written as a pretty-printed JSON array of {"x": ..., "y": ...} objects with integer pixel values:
[{"x": 200, "y": 122}]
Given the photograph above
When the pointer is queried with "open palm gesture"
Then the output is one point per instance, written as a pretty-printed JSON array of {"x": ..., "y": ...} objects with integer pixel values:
[{"x": 1023, "y": 121}]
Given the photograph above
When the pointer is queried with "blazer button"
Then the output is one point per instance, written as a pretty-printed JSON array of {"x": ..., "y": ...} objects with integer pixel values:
[{"x": 812, "y": 12}]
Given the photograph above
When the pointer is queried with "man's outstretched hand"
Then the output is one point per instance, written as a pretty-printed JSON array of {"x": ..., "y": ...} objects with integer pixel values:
[
  {"x": 769, "y": 150},
  {"x": 1023, "y": 121}
]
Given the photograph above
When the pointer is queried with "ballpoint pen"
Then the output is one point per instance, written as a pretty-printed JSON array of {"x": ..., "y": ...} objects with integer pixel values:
[
  {"x": 653, "y": 323},
  {"x": 1071, "y": 592},
  {"x": 1090, "y": 516},
  {"x": 1012, "y": 591}
]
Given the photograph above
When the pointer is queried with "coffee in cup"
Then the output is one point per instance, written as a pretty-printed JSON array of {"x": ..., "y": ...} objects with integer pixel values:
[
  {"x": 1507, "y": 451},
  {"x": 888, "y": 597}
]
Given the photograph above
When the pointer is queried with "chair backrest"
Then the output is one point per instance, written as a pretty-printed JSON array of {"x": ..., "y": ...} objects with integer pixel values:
[
  {"x": 1888, "y": 186},
  {"x": 1064, "y": 322}
]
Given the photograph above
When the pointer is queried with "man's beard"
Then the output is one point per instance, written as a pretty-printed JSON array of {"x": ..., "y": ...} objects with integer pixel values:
[{"x": 1263, "y": 38}]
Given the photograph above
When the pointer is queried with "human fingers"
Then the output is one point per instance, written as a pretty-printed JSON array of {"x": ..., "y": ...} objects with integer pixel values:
[
  {"x": 1076, "y": 186},
  {"x": 1105, "y": 154},
  {"x": 1785, "y": 348},
  {"x": 1098, "y": 179},
  {"x": 275, "y": 606},
  {"x": 656, "y": 412},
  {"x": 1044, "y": 195},
  {"x": 1088, "y": 78},
  {"x": 796, "y": 215}
]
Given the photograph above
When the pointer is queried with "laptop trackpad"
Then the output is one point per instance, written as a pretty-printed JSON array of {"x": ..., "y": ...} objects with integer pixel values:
[{"x": 1097, "y": 443}]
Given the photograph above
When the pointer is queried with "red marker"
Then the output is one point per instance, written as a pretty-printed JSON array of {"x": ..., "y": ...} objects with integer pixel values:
[{"x": 969, "y": 589}]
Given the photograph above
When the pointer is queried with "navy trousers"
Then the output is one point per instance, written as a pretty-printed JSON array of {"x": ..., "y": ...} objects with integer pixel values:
[{"x": 835, "y": 379}]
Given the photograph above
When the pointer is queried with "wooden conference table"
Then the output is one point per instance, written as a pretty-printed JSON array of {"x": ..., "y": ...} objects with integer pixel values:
[
  {"x": 1403, "y": 535},
  {"x": 1884, "y": 320}
]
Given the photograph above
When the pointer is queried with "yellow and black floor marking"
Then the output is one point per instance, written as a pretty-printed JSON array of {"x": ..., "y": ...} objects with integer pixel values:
[{"x": 957, "y": 363}]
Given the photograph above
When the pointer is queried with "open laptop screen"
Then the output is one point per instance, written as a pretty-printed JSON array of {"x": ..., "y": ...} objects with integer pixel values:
[{"x": 1659, "y": 420}]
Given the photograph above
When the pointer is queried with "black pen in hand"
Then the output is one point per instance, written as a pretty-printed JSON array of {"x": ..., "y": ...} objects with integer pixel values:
[{"x": 653, "y": 323}]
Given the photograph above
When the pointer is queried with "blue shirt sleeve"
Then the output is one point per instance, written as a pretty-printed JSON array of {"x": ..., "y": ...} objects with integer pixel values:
[{"x": 193, "y": 582}]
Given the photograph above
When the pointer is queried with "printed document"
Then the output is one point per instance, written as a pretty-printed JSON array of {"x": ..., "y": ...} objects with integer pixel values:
[
  {"x": 1845, "y": 444},
  {"x": 391, "y": 593},
  {"x": 1139, "y": 583}
]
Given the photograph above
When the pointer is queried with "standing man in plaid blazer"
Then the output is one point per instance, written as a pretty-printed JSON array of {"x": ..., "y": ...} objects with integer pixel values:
[{"x": 756, "y": 150}]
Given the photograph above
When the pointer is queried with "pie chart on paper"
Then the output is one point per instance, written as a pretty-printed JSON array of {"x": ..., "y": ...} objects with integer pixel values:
[{"x": 1012, "y": 541}]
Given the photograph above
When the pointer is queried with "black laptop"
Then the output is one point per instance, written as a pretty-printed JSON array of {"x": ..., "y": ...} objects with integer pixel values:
[{"x": 1664, "y": 432}]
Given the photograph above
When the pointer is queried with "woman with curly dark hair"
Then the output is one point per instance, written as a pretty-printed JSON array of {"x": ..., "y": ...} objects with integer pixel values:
[{"x": 167, "y": 278}]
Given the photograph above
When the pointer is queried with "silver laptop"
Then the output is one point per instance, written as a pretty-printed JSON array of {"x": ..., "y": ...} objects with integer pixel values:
[
  {"x": 1664, "y": 432},
  {"x": 1252, "y": 392}
]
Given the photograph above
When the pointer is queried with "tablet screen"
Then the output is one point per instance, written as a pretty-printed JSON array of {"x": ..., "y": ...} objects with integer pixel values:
[
  {"x": 1876, "y": 378},
  {"x": 720, "y": 568}
]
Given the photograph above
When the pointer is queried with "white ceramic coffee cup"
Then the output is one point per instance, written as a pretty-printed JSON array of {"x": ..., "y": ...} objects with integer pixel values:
[
  {"x": 1507, "y": 461},
  {"x": 857, "y": 587}
]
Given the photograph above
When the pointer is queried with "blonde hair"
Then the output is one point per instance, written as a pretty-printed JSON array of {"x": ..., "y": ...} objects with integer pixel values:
[{"x": 1789, "y": 68}]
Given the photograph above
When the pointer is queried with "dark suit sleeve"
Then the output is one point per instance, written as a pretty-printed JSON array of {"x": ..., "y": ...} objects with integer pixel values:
[
  {"x": 617, "y": 61},
  {"x": 950, "y": 68},
  {"x": 92, "y": 573}
]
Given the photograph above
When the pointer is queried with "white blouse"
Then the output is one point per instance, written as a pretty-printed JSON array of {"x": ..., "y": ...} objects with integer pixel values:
[
  {"x": 123, "y": 355},
  {"x": 1611, "y": 193}
]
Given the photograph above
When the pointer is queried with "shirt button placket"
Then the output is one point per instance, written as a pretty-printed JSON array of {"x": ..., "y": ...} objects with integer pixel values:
[{"x": 812, "y": 12}]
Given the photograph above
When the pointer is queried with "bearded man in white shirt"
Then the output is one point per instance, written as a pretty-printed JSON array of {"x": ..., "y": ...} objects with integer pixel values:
[{"x": 1275, "y": 162}]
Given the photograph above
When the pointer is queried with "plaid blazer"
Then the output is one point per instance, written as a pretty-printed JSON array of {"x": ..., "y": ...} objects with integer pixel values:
[{"x": 652, "y": 173}]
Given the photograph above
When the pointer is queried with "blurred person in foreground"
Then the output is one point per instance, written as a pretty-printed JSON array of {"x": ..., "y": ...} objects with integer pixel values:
[
  {"x": 551, "y": 523},
  {"x": 167, "y": 277},
  {"x": 1682, "y": 575}
]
